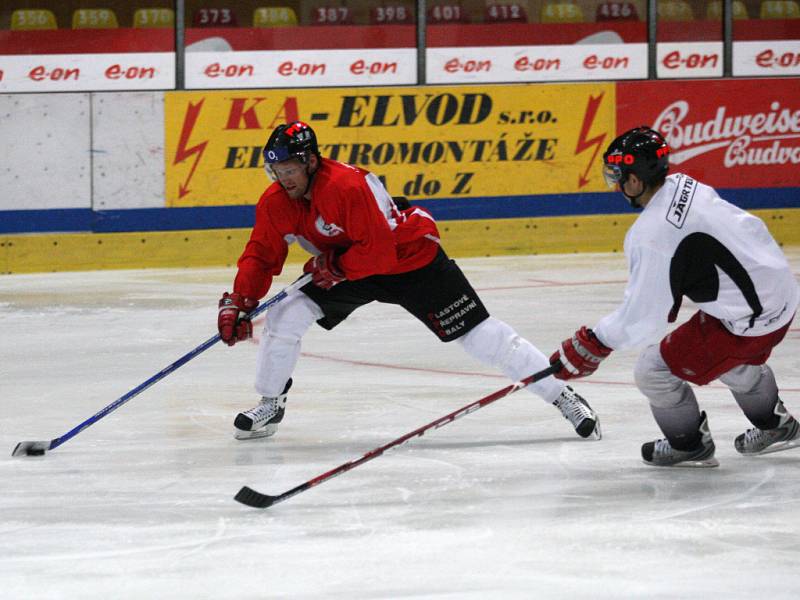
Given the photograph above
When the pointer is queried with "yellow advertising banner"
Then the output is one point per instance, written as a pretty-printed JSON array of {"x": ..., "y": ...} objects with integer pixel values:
[{"x": 424, "y": 142}]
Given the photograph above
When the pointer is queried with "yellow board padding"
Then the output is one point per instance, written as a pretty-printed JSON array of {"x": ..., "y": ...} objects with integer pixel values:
[
  {"x": 221, "y": 247},
  {"x": 150, "y": 249},
  {"x": 91, "y": 251},
  {"x": 490, "y": 140},
  {"x": 543, "y": 235},
  {"x": 566, "y": 235}
]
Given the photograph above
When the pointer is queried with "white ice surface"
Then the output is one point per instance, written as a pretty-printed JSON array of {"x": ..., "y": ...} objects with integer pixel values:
[{"x": 505, "y": 503}]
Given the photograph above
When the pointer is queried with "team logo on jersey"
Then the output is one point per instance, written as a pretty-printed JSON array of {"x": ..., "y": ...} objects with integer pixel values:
[
  {"x": 327, "y": 229},
  {"x": 681, "y": 202}
]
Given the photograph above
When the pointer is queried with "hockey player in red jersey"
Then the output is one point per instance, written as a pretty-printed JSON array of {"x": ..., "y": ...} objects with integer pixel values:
[
  {"x": 689, "y": 242},
  {"x": 364, "y": 249}
]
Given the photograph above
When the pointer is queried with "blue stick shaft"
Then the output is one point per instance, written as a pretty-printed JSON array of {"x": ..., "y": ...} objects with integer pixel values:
[{"x": 55, "y": 443}]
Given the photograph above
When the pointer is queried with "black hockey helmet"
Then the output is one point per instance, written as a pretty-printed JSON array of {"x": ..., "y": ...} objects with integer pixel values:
[
  {"x": 288, "y": 141},
  {"x": 642, "y": 151}
]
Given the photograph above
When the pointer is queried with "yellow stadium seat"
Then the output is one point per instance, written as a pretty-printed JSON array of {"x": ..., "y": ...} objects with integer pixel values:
[
  {"x": 675, "y": 10},
  {"x": 562, "y": 12},
  {"x": 33, "y": 18},
  {"x": 153, "y": 18},
  {"x": 94, "y": 18},
  {"x": 714, "y": 10},
  {"x": 274, "y": 16},
  {"x": 780, "y": 9}
]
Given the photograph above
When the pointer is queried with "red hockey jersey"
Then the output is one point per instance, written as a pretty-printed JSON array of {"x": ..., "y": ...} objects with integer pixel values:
[{"x": 349, "y": 210}]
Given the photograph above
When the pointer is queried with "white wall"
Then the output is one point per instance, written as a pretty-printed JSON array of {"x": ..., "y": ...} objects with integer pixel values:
[
  {"x": 128, "y": 143},
  {"x": 45, "y": 159},
  {"x": 47, "y": 162}
]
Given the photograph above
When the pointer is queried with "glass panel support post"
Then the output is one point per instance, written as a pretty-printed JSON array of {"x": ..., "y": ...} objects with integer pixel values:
[
  {"x": 180, "y": 45},
  {"x": 422, "y": 7},
  {"x": 652, "y": 39},
  {"x": 727, "y": 38}
]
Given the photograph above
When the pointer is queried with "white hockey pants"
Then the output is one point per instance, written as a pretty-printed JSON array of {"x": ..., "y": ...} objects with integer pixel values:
[
  {"x": 493, "y": 343},
  {"x": 496, "y": 344},
  {"x": 287, "y": 322}
]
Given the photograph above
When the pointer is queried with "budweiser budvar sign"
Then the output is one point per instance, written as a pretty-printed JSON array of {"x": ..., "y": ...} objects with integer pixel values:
[
  {"x": 752, "y": 142},
  {"x": 761, "y": 138}
]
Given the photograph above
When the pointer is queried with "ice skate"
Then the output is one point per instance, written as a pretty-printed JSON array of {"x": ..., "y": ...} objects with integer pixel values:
[
  {"x": 578, "y": 412},
  {"x": 661, "y": 454},
  {"x": 262, "y": 420},
  {"x": 763, "y": 441}
]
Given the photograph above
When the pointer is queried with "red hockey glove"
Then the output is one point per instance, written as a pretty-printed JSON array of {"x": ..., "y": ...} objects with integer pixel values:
[
  {"x": 232, "y": 322},
  {"x": 580, "y": 355},
  {"x": 326, "y": 273}
]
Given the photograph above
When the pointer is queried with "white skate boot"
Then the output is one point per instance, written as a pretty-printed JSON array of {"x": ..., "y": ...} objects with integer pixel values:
[
  {"x": 262, "y": 420},
  {"x": 578, "y": 412},
  {"x": 661, "y": 454},
  {"x": 763, "y": 441}
]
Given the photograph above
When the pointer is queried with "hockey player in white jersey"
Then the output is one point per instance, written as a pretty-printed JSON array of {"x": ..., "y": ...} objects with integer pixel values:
[{"x": 689, "y": 242}]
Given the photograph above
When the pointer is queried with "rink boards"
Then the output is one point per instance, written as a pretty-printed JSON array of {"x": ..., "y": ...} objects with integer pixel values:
[
  {"x": 138, "y": 179},
  {"x": 221, "y": 247}
]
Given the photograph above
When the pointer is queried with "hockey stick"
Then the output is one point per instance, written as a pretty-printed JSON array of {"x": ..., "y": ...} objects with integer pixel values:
[
  {"x": 40, "y": 447},
  {"x": 251, "y": 497}
]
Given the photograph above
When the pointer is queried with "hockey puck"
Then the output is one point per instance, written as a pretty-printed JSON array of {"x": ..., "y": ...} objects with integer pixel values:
[{"x": 35, "y": 452}]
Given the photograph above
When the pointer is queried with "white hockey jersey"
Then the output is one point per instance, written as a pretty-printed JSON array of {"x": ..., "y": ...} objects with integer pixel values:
[{"x": 690, "y": 242}]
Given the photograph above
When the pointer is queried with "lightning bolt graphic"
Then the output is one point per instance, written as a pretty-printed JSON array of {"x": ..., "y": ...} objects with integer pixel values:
[
  {"x": 585, "y": 144},
  {"x": 182, "y": 152}
]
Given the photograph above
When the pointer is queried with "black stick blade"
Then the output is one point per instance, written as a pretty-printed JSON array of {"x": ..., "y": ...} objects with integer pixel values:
[
  {"x": 250, "y": 497},
  {"x": 31, "y": 448}
]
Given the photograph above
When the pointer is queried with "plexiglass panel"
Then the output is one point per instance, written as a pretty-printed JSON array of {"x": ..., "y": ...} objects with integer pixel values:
[
  {"x": 689, "y": 39},
  {"x": 63, "y": 45},
  {"x": 766, "y": 38},
  {"x": 299, "y": 43},
  {"x": 536, "y": 40}
]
